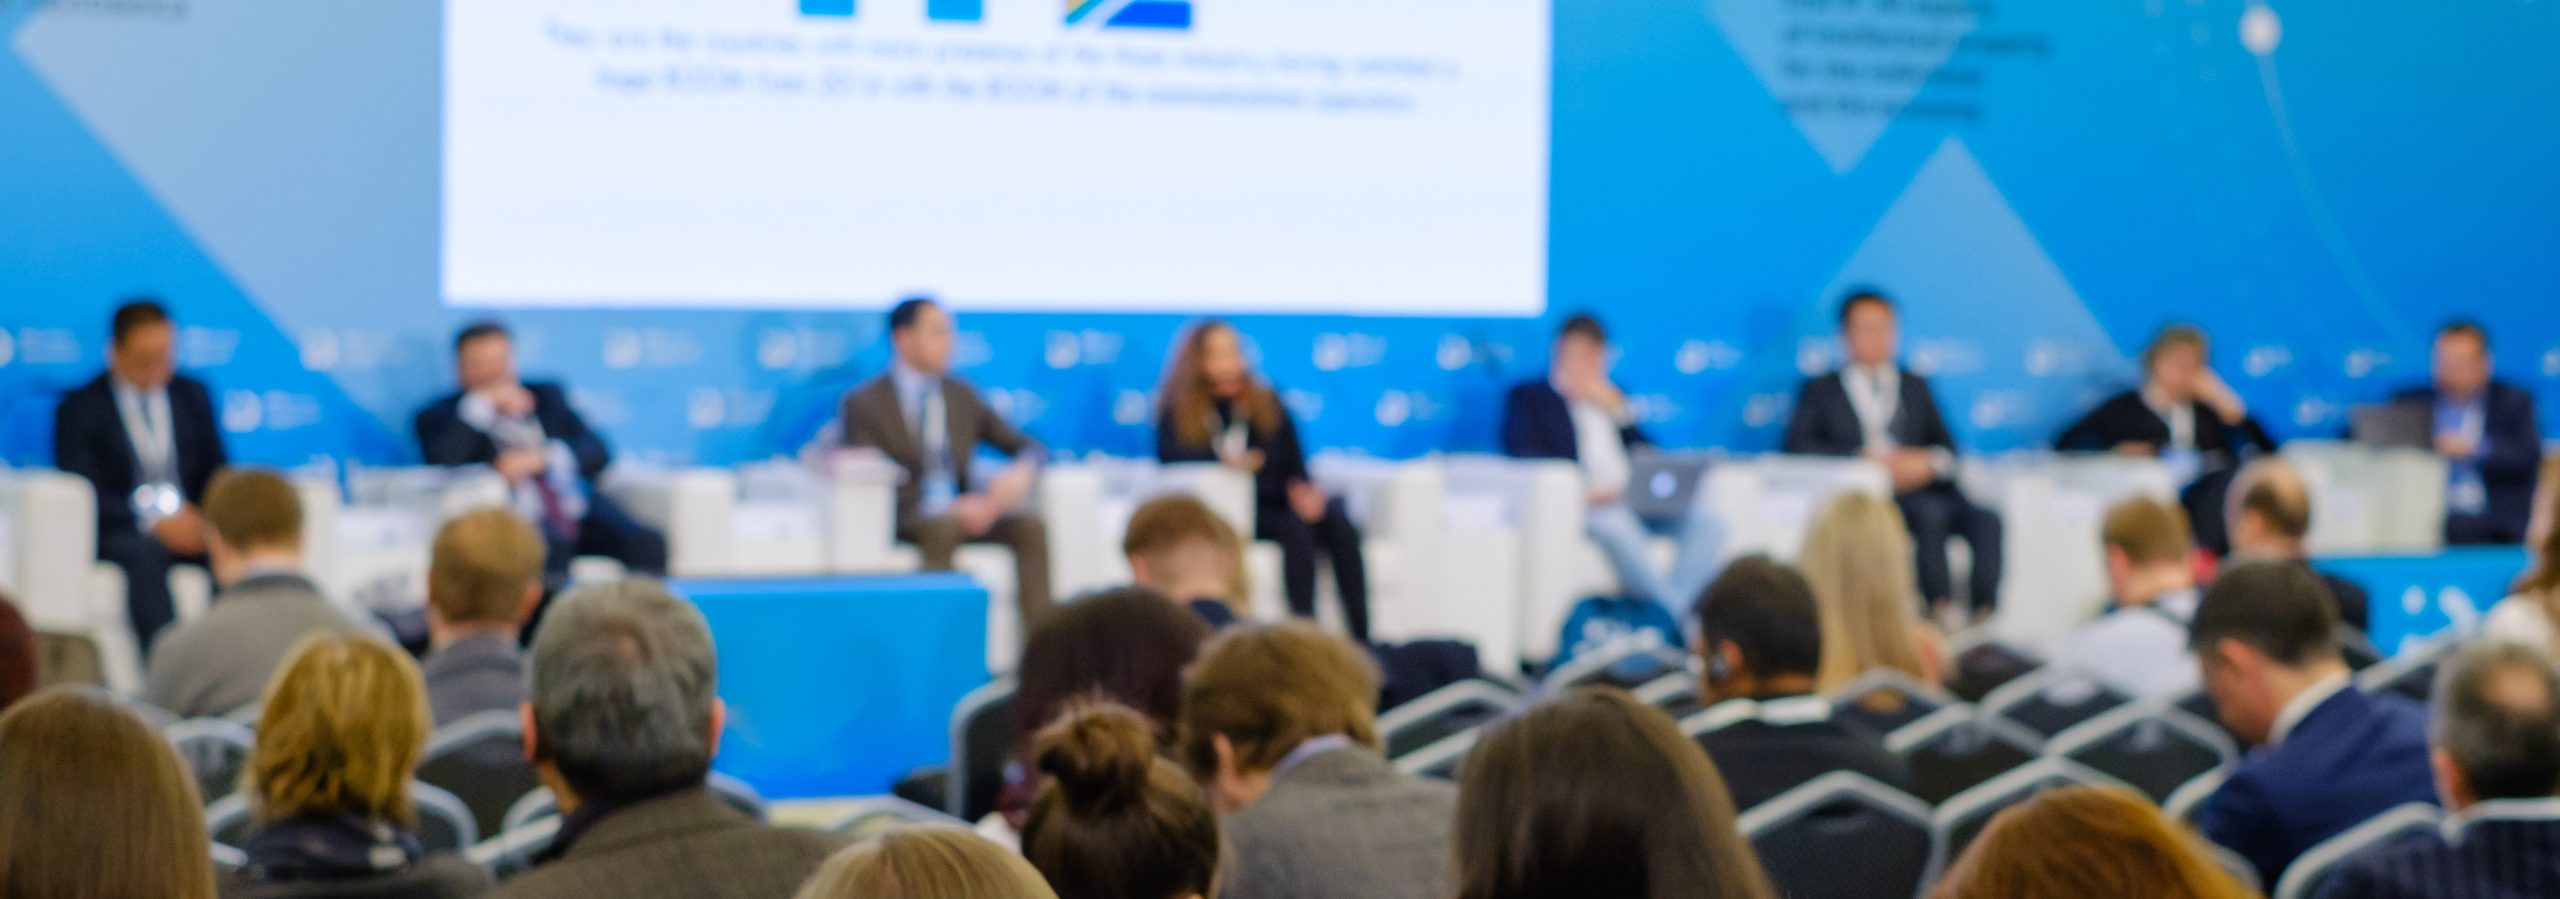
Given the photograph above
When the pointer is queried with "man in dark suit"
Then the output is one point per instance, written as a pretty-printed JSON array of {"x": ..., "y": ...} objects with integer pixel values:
[
  {"x": 1760, "y": 636},
  {"x": 146, "y": 438},
  {"x": 2330, "y": 756},
  {"x": 547, "y": 454},
  {"x": 2497, "y": 762},
  {"x": 2487, "y": 433},
  {"x": 1874, "y": 408},
  {"x": 931, "y": 423},
  {"x": 624, "y": 721}
]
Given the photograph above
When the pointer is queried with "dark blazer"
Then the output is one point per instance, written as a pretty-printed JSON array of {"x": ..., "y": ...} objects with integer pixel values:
[
  {"x": 1342, "y": 824},
  {"x": 1537, "y": 423},
  {"x": 89, "y": 440},
  {"x": 1284, "y": 460},
  {"x": 445, "y": 439},
  {"x": 2511, "y": 452},
  {"x": 684, "y": 846},
  {"x": 874, "y": 417},
  {"x": 2494, "y": 857},
  {"x": 2353, "y": 757},
  {"x": 2125, "y": 418},
  {"x": 1825, "y": 423},
  {"x": 1760, "y": 760}
]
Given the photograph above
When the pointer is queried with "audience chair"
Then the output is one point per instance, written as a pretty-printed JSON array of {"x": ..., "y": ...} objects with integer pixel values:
[
  {"x": 1885, "y": 700},
  {"x": 1803, "y": 835},
  {"x": 1957, "y": 749},
  {"x": 867, "y": 817},
  {"x": 1627, "y": 666},
  {"x": 1980, "y": 663},
  {"x": 2052, "y": 700},
  {"x": 480, "y": 760},
  {"x": 2155, "y": 749},
  {"x": 511, "y": 853},
  {"x": 982, "y": 737},
  {"x": 444, "y": 823},
  {"x": 1444, "y": 712},
  {"x": 2412, "y": 673},
  {"x": 216, "y": 749},
  {"x": 1441, "y": 760},
  {"x": 1676, "y": 694},
  {"x": 228, "y": 859},
  {"x": 2408, "y": 823},
  {"x": 1961, "y": 818},
  {"x": 2182, "y": 802}
]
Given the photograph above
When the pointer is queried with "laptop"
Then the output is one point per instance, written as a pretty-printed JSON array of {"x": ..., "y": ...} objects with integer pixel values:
[
  {"x": 2409, "y": 425},
  {"x": 1662, "y": 486}
]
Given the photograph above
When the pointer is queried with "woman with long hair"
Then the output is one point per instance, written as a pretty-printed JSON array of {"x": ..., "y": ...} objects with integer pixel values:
[
  {"x": 94, "y": 803},
  {"x": 2531, "y": 615},
  {"x": 2086, "y": 843},
  {"x": 1212, "y": 407},
  {"x": 1596, "y": 795},
  {"x": 1858, "y": 558}
]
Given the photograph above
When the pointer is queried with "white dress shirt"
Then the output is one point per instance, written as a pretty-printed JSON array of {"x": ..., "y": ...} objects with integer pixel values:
[
  {"x": 2140, "y": 651},
  {"x": 1599, "y": 446},
  {"x": 1875, "y": 392}
]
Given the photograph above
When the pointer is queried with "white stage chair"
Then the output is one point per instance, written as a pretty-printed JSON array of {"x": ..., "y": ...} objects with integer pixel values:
[
  {"x": 49, "y": 527},
  {"x": 2370, "y": 499}
]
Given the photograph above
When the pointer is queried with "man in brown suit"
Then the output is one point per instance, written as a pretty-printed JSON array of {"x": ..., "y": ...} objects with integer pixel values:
[
  {"x": 622, "y": 726},
  {"x": 931, "y": 423}
]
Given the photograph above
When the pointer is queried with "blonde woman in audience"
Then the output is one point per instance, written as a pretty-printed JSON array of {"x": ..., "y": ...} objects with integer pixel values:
[
  {"x": 1115, "y": 820},
  {"x": 2086, "y": 843},
  {"x": 95, "y": 805},
  {"x": 343, "y": 727},
  {"x": 2532, "y": 615},
  {"x": 1858, "y": 558},
  {"x": 927, "y": 863}
]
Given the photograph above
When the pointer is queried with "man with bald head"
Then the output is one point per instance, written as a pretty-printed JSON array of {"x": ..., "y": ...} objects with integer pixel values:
[
  {"x": 2495, "y": 744},
  {"x": 2270, "y": 517}
]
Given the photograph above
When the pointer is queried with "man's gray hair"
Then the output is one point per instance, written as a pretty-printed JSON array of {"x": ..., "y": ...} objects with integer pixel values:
[
  {"x": 622, "y": 680},
  {"x": 2497, "y": 712}
]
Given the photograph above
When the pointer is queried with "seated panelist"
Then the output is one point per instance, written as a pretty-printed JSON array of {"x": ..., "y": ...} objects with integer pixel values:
[
  {"x": 2487, "y": 433},
  {"x": 2185, "y": 415},
  {"x": 549, "y": 457}
]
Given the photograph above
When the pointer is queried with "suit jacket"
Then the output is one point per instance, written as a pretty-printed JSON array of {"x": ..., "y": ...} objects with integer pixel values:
[
  {"x": 1825, "y": 422},
  {"x": 875, "y": 417},
  {"x": 445, "y": 439},
  {"x": 479, "y": 673},
  {"x": 687, "y": 845},
  {"x": 89, "y": 440},
  {"x": 1284, "y": 459},
  {"x": 2126, "y": 418},
  {"x": 2510, "y": 452},
  {"x": 2353, "y": 757},
  {"x": 1760, "y": 760},
  {"x": 1537, "y": 423},
  {"x": 2499, "y": 853},
  {"x": 221, "y": 662},
  {"x": 1342, "y": 824}
]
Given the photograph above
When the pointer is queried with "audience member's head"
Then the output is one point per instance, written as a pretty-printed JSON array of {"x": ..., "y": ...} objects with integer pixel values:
[
  {"x": 920, "y": 332},
  {"x": 93, "y": 802},
  {"x": 2270, "y": 511},
  {"x": 1596, "y": 794},
  {"x": 21, "y": 655},
  {"x": 1858, "y": 558},
  {"x": 1128, "y": 646},
  {"x": 485, "y": 575},
  {"x": 484, "y": 355},
  {"x": 2086, "y": 843},
  {"x": 2265, "y": 632},
  {"x": 252, "y": 518},
  {"x": 2462, "y": 362},
  {"x": 343, "y": 724},
  {"x": 1180, "y": 548},
  {"x": 142, "y": 344},
  {"x": 926, "y": 863},
  {"x": 1581, "y": 352},
  {"x": 2496, "y": 725},
  {"x": 1870, "y": 328},
  {"x": 2175, "y": 364},
  {"x": 1115, "y": 820},
  {"x": 1209, "y": 366},
  {"x": 1759, "y": 631},
  {"x": 2149, "y": 550},
  {"x": 1259, "y": 692},
  {"x": 623, "y": 708}
]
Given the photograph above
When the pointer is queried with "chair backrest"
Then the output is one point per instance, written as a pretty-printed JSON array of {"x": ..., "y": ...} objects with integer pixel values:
[
  {"x": 1980, "y": 663},
  {"x": 1675, "y": 693},
  {"x": 2156, "y": 749},
  {"x": 1961, "y": 818},
  {"x": 445, "y": 823},
  {"x": 2052, "y": 700},
  {"x": 982, "y": 734},
  {"x": 1956, "y": 749},
  {"x": 1628, "y": 665},
  {"x": 1443, "y": 712},
  {"x": 2311, "y": 871},
  {"x": 511, "y": 853},
  {"x": 1885, "y": 700},
  {"x": 229, "y": 822},
  {"x": 2182, "y": 802},
  {"x": 1441, "y": 760},
  {"x": 215, "y": 749},
  {"x": 1802, "y": 835},
  {"x": 2412, "y": 673},
  {"x": 480, "y": 760},
  {"x": 867, "y": 817}
]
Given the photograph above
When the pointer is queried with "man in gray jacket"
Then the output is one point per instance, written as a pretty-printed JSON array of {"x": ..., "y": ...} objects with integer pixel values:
[
  {"x": 1280, "y": 722},
  {"x": 221, "y": 662}
]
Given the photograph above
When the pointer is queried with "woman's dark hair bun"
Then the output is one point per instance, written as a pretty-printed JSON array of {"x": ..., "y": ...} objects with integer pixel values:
[{"x": 1099, "y": 753}]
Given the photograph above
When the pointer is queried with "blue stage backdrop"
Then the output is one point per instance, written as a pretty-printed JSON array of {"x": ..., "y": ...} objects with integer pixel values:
[{"x": 2043, "y": 184}]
